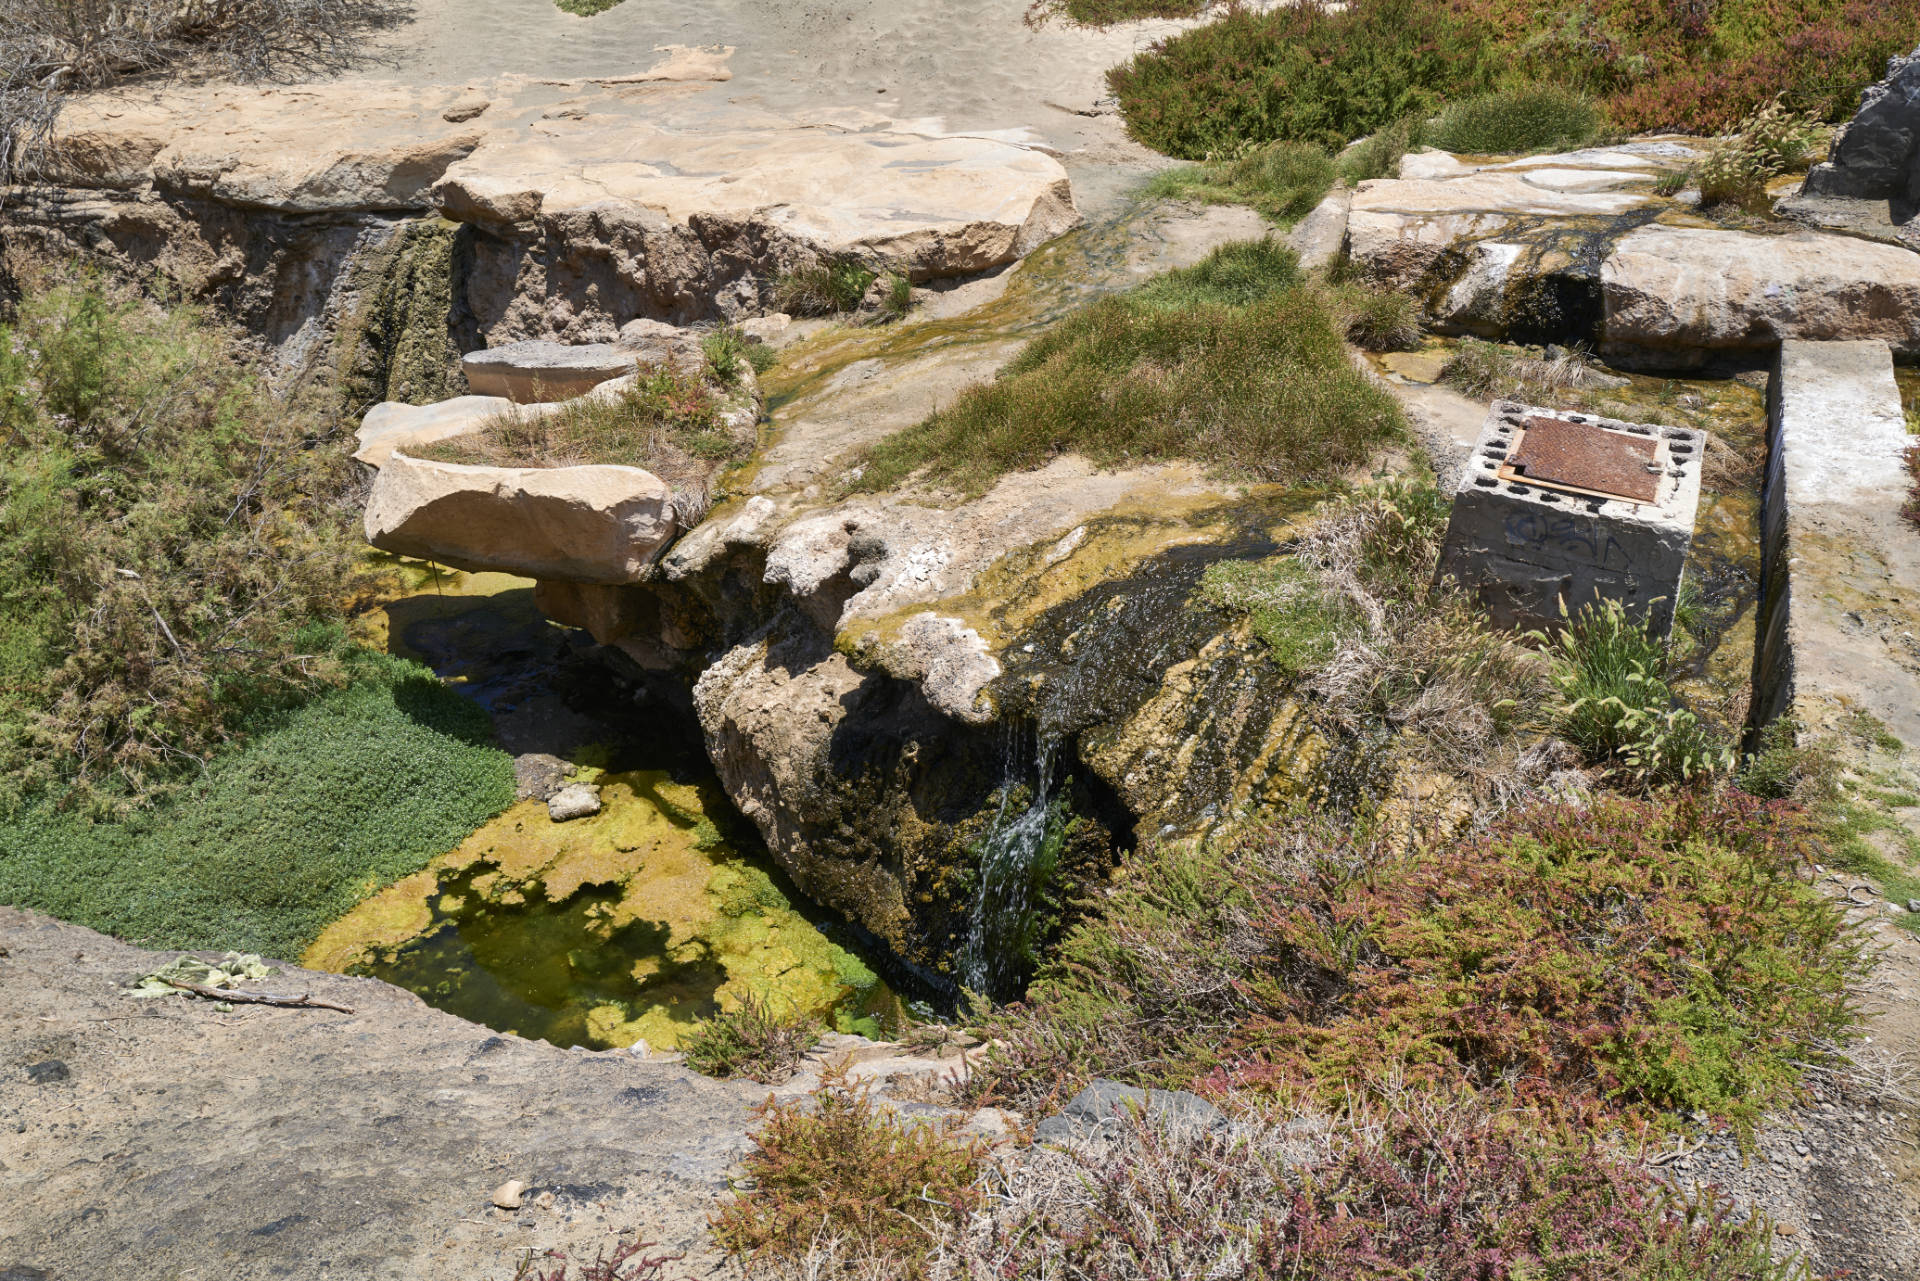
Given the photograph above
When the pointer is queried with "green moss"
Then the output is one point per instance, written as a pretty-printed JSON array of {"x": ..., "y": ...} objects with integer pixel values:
[{"x": 398, "y": 344}]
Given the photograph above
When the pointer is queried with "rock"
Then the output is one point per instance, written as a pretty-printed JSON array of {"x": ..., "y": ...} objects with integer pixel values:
[
  {"x": 533, "y": 371},
  {"x": 1876, "y": 155},
  {"x": 48, "y": 1072},
  {"x": 590, "y": 524},
  {"x": 390, "y": 425},
  {"x": 769, "y": 329},
  {"x": 510, "y": 1195},
  {"x": 1318, "y": 237},
  {"x": 1700, "y": 290},
  {"x": 1102, "y": 1112},
  {"x": 1913, "y": 905},
  {"x": 576, "y": 800},
  {"x": 653, "y": 343}
]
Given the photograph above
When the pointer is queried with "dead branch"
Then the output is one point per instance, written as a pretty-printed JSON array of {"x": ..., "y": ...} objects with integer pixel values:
[{"x": 303, "y": 1001}]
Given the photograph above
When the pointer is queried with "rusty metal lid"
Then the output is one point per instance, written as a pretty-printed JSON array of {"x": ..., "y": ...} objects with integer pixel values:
[{"x": 1553, "y": 451}]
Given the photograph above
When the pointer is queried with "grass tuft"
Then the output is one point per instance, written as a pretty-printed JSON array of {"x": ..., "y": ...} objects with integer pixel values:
[
  {"x": 823, "y": 289},
  {"x": 1283, "y": 180},
  {"x": 1529, "y": 119},
  {"x": 1232, "y": 362}
]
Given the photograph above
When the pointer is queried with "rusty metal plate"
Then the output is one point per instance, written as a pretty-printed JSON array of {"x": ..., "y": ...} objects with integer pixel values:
[{"x": 1583, "y": 456}]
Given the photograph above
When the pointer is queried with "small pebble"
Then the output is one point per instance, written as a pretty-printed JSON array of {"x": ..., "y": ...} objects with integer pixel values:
[{"x": 510, "y": 1195}]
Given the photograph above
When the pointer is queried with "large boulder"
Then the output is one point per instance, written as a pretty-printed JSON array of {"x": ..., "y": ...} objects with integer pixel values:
[
  {"x": 1696, "y": 290},
  {"x": 1876, "y": 155},
  {"x": 594, "y": 524}
]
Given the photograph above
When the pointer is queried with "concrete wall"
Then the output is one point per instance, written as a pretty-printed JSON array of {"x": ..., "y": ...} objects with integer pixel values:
[{"x": 1840, "y": 568}]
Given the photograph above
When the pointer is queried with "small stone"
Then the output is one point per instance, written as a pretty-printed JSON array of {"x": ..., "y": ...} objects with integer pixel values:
[
  {"x": 1913, "y": 905},
  {"x": 509, "y": 1195},
  {"x": 48, "y": 1072},
  {"x": 544, "y": 1200},
  {"x": 576, "y": 800}
]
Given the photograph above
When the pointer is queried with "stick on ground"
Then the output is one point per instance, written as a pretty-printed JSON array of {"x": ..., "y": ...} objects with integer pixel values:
[{"x": 302, "y": 1001}]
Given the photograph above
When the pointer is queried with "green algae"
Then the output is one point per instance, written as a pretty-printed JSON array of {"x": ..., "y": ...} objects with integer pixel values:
[{"x": 396, "y": 344}]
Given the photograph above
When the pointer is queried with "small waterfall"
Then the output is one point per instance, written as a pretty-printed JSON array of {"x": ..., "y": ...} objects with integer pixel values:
[{"x": 1017, "y": 856}]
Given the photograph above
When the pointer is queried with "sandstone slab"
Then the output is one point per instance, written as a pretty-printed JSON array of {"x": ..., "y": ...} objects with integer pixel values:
[
  {"x": 1708, "y": 290},
  {"x": 534, "y": 372},
  {"x": 592, "y": 524},
  {"x": 392, "y": 425}
]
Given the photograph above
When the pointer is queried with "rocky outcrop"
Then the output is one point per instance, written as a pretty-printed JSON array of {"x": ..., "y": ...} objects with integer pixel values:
[
  {"x": 1876, "y": 155},
  {"x": 578, "y": 205},
  {"x": 593, "y": 524},
  {"x": 1579, "y": 247}
]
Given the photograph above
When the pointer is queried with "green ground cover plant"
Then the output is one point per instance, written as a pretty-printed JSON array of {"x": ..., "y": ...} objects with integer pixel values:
[
  {"x": 177, "y": 546},
  {"x": 1234, "y": 362},
  {"x": 1283, "y": 180},
  {"x": 1526, "y": 118},
  {"x": 1331, "y": 74},
  {"x": 270, "y": 843},
  {"x": 1104, "y": 13}
]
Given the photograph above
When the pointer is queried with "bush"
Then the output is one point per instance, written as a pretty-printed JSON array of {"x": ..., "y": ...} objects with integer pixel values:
[
  {"x": 1439, "y": 1191},
  {"x": 837, "y": 1168},
  {"x": 1314, "y": 74},
  {"x": 1306, "y": 73},
  {"x": 1615, "y": 705},
  {"x": 1232, "y": 363},
  {"x": 1380, "y": 153},
  {"x": 1532, "y": 118},
  {"x": 274, "y": 841},
  {"x": 1645, "y": 957},
  {"x": 1283, "y": 180},
  {"x": 750, "y": 1041},
  {"x": 177, "y": 547}
]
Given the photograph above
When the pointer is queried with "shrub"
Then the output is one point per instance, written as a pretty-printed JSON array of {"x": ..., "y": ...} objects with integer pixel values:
[
  {"x": 1439, "y": 1191},
  {"x": 1615, "y": 705},
  {"x": 1645, "y": 957},
  {"x": 177, "y": 547},
  {"x": 1531, "y": 118},
  {"x": 1305, "y": 73},
  {"x": 1380, "y": 153},
  {"x": 1231, "y": 363},
  {"x": 275, "y": 840},
  {"x": 835, "y": 1167},
  {"x": 629, "y": 1260},
  {"x": 751, "y": 1041},
  {"x": 724, "y": 349},
  {"x": 1283, "y": 180}
]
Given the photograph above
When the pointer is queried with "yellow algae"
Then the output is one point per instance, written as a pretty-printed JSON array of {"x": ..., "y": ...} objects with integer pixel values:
[{"x": 388, "y": 919}]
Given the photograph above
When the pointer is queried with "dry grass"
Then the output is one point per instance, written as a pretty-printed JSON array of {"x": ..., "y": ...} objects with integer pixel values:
[
  {"x": 49, "y": 48},
  {"x": 671, "y": 424},
  {"x": 1486, "y": 369}
]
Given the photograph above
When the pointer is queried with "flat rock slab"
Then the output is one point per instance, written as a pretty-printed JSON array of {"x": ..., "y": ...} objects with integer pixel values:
[
  {"x": 302, "y": 1143},
  {"x": 515, "y": 151},
  {"x": 1840, "y": 566},
  {"x": 535, "y": 372},
  {"x": 392, "y": 425},
  {"x": 591, "y": 524}
]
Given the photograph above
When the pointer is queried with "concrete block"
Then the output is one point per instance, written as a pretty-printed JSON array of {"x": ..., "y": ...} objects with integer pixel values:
[{"x": 1595, "y": 509}]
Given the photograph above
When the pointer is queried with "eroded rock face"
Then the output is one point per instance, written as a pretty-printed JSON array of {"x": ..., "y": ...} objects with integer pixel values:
[{"x": 592, "y": 524}]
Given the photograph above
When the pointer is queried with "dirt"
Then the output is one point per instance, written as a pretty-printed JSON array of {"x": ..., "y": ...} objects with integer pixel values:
[{"x": 167, "y": 1140}]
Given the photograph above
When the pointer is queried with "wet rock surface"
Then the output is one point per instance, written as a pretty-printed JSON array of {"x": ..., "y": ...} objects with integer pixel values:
[{"x": 304, "y": 1142}]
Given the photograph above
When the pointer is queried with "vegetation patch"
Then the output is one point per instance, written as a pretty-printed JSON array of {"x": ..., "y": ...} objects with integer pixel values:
[
  {"x": 270, "y": 843},
  {"x": 1235, "y": 363},
  {"x": 1283, "y": 180},
  {"x": 1329, "y": 74},
  {"x": 1527, "y": 118},
  {"x": 1104, "y": 13},
  {"x": 177, "y": 547},
  {"x": 837, "y": 1167}
]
